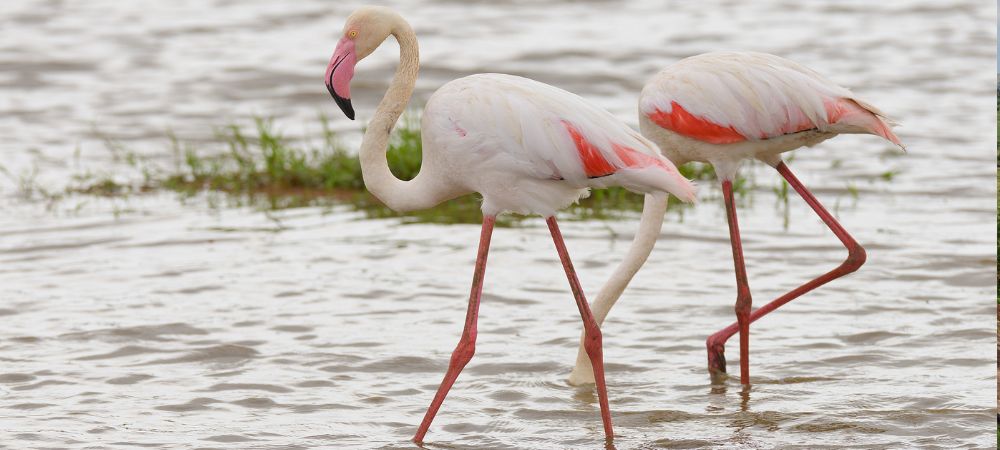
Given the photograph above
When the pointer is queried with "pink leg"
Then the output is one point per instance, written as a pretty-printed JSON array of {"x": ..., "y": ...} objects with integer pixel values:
[
  {"x": 467, "y": 345},
  {"x": 855, "y": 258},
  {"x": 592, "y": 331},
  {"x": 743, "y": 299}
]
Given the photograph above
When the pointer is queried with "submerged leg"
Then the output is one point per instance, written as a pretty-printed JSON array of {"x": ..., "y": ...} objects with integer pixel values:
[
  {"x": 716, "y": 358},
  {"x": 592, "y": 332},
  {"x": 855, "y": 258},
  {"x": 467, "y": 345}
]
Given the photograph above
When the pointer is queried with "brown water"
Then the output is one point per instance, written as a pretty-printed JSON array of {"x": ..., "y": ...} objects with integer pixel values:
[{"x": 154, "y": 323}]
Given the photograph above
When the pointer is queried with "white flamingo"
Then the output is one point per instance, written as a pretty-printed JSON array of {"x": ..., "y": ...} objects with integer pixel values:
[
  {"x": 723, "y": 108},
  {"x": 526, "y": 147}
]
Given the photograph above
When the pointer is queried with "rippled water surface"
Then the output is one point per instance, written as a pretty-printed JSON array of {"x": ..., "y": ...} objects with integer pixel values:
[{"x": 155, "y": 323}]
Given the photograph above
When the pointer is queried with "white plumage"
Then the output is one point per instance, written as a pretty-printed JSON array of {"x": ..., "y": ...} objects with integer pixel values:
[
  {"x": 738, "y": 105},
  {"x": 518, "y": 143},
  {"x": 758, "y": 94}
]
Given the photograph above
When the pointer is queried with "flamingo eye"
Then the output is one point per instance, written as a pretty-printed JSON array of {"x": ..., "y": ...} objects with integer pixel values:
[{"x": 353, "y": 34}]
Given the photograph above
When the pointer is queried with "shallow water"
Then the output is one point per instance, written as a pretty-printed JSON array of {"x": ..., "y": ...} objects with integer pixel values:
[{"x": 150, "y": 322}]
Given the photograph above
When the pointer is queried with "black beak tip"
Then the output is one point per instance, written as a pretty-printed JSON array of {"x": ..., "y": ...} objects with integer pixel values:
[{"x": 343, "y": 103}]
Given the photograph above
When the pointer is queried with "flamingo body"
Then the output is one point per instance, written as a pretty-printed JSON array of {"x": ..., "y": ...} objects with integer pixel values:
[
  {"x": 724, "y": 107},
  {"x": 532, "y": 148}
]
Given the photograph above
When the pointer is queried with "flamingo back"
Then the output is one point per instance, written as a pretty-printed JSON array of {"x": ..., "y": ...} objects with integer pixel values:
[
  {"x": 730, "y": 97},
  {"x": 506, "y": 126}
]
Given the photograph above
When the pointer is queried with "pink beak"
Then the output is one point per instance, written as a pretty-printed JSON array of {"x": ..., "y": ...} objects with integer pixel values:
[{"x": 339, "y": 73}]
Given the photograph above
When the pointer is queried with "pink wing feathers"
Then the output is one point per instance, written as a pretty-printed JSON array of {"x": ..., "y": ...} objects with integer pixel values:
[
  {"x": 595, "y": 165},
  {"x": 729, "y": 97}
]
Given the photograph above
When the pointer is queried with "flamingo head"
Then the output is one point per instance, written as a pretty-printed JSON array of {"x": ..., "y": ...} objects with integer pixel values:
[{"x": 364, "y": 31}]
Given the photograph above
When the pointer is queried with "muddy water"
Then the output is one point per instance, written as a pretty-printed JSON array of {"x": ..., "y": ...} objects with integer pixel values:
[{"x": 150, "y": 322}]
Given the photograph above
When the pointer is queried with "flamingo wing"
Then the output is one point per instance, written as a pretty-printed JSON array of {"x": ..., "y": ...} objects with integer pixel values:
[
  {"x": 729, "y": 97},
  {"x": 519, "y": 126}
]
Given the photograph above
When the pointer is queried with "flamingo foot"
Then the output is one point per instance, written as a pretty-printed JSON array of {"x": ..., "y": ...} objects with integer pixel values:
[{"x": 716, "y": 347}]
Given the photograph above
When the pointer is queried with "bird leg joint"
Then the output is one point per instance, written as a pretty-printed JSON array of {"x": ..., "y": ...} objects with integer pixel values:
[
  {"x": 592, "y": 340},
  {"x": 856, "y": 257},
  {"x": 463, "y": 352},
  {"x": 743, "y": 301}
]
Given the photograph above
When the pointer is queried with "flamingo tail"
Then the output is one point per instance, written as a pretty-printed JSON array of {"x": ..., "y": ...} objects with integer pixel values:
[{"x": 856, "y": 116}]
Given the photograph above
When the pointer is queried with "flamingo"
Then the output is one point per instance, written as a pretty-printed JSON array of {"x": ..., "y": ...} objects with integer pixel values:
[
  {"x": 524, "y": 146},
  {"x": 726, "y": 107}
]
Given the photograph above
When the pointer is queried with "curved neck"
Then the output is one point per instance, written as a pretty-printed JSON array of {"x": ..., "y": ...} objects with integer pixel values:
[
  {"x": 653, "y": 209},
  {"x": 424, "y": 190}
]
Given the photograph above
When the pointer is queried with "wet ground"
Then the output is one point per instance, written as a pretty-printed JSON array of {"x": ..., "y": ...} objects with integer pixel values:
[{"x": 156, "y": 323}]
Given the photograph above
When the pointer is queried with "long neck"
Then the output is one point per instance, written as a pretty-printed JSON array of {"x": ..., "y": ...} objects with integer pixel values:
[
  {"x": 653, "y": 209},
  {"x": 423, "y": 191}
]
